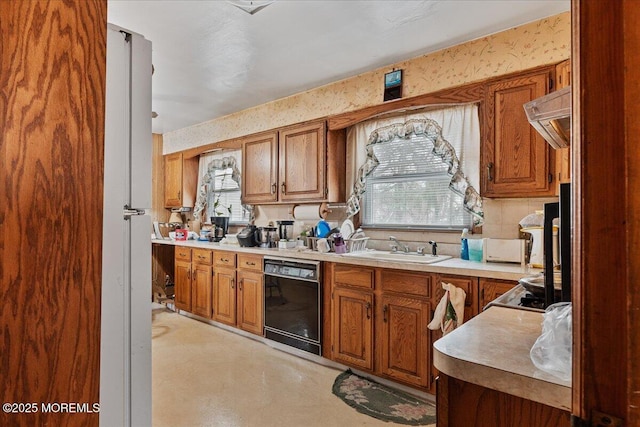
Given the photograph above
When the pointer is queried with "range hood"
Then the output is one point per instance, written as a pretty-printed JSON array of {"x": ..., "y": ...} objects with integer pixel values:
[{"x": 550, "y": 115}]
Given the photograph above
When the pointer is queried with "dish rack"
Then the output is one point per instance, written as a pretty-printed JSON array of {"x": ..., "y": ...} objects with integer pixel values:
[{"x": 357, "y": 244}]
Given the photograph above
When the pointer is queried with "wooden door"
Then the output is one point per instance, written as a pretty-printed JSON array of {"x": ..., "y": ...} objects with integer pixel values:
[
  {"x": 202, "y": 290},
  {"x": 352, "y": 316},
  {"x": 516, "y": 159},
  {"x": 302, "y": 151},
  {"x": 260, "y": 168},
  {"x": 491, "y": 289},
  {"x": 563, "y": 155},
  {"x": 224, "y": 295},
  {"x": 405, "y": 339},
  {"x": 250, "y": 301},
  {"x": 183, "y": 285},
  {"x": 173, "y": 180}
]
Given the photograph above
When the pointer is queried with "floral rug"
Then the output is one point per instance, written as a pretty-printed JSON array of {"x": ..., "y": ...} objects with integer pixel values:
[{"x": 384, "y": 403}]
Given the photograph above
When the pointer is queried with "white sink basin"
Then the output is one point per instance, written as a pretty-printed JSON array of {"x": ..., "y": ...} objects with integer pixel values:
[{"x": 396, "y": 256}]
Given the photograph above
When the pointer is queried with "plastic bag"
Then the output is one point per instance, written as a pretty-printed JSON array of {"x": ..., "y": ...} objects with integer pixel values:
[{"x": 552, "y": 350}]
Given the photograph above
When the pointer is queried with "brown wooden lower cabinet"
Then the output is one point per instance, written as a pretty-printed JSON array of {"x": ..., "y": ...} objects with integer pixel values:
[
  {"x": 224, "y": 295},
  {"x": 405, "y": 345},
  {"x": 250, "y": 295},
  {"x": 352, "y": 325},
  {"x": 182, "y": 279},
  {"x": 491, "y": 289},
  {"x": 462, "y": 404}
]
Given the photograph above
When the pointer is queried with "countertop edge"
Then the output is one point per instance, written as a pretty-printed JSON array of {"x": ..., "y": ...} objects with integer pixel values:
[
  {"x": 499, "y": 271},
  {"x": 474, "y": 370}
]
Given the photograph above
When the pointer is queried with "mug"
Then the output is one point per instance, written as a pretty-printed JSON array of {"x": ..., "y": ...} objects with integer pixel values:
[{"x": 323, "y": 246}]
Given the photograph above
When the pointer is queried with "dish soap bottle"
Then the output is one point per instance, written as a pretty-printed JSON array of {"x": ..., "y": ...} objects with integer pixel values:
[{"x": 464, "y": 244}]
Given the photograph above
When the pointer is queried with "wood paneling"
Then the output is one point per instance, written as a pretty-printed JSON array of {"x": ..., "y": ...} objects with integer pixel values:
[
  {"x": 52, "y": 91},
  {"x": 158, "y": 212},
  {"x": 604, "y": 149},
  {"x": 469, "y": 405},
  {"x": 632, "y": 112}
]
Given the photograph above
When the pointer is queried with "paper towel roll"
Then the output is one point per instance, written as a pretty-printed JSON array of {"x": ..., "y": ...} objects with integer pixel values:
[{"x": 307, "y": 212}]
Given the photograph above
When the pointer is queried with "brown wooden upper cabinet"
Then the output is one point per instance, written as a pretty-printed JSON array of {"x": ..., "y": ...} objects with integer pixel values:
[
  {"x": 563, "y": 157},
  {"x": 290, "y": 165},
  {"x": 516, "y": 160},
  {"x": 180, "y": 180}
]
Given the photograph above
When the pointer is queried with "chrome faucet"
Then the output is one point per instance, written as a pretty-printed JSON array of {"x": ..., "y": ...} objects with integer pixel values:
[{"x": 404, "y": 247}]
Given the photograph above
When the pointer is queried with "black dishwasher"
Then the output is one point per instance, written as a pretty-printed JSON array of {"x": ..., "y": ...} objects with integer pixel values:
[{"x": 293, "y": 303}]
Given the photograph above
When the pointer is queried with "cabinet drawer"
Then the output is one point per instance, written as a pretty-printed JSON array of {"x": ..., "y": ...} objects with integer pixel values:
[
  {"x": 353, "y": 276},
  {"x": 406, "y": 282},
  {"x": 250, "y": 262},
  {"x": 183, "y": 254},
  {"x": 224, "y": 258},
  {"x": 202, "y": 256}
]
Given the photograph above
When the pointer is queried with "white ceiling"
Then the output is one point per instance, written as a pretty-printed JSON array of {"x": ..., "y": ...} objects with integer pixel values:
[{"x": 213, "y": 59}]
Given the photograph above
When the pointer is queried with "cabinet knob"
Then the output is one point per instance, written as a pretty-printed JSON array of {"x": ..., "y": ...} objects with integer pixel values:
[{"x": 490, "y": 171}]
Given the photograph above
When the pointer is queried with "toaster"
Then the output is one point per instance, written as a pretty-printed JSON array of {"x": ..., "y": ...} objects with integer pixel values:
[{"x": 504, "y": 250}]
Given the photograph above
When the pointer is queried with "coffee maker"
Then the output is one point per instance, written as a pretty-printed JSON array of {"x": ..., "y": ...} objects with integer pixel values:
[{"x": 285, "y": 229}]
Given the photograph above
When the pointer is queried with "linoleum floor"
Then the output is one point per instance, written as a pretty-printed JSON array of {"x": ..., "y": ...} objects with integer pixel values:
[{"x": 206, "y": 376}]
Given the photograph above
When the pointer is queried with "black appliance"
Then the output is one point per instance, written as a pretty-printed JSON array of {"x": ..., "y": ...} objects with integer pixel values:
[
  {"x": 562, "y": 210},
  {"x": 247, "y": 236},
  {"x": 293, "y": 303}
]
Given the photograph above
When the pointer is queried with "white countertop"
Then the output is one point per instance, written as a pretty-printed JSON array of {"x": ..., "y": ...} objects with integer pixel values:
[
  {"x": 457, "y": 266},
  {"x": 483, "y": 351}
]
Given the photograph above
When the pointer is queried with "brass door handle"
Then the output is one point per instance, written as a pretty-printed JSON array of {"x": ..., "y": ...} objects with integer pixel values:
[
  {"x": 283, "y": 188},
  {"x": 384, "y": 313},
  {"x": 251, "y": 263},
  {"x": 233, "y": 284},
  {"x": 368, "y": 310},
  {"x": 240, "y": 285},
  {"x": 274, "y": 186}
]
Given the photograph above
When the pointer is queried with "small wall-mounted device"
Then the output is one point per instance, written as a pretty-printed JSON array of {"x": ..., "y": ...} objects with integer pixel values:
[{"x": 393, "y": 85}]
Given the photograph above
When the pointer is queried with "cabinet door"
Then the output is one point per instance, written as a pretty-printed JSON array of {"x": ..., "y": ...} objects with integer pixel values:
[
  {"x": 405, "y": 339},
  {"x": 260, "y": 168},
  {"x": 173, "y": 180},
  {"x": 491, "y": 289},
  {"x": 517, "y": 161},
  {"x": 202, "y": 290},
  {"x": 224, "y": 296},
  {"x": 302, "y": 151},
  {"x": 182, "y": 290},
  {"x": 250, "y": 301},
  {"x": 352, "y": 324},
  {"x": 563, "y": 155},
  {"x": 470, "y": 287}
]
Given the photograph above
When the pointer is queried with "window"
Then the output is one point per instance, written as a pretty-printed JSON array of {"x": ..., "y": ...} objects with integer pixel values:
[
  {"x": 227, "y": 192},
  {"x": 410, "y": 187},
  {"x": 219, "y": 188}
]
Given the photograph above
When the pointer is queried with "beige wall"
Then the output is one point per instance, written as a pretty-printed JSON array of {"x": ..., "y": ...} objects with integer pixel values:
[{"x": 538, "y": 43}]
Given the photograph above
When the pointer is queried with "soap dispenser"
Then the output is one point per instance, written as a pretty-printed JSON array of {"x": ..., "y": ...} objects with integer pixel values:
[{"x": 464, "y": 244}]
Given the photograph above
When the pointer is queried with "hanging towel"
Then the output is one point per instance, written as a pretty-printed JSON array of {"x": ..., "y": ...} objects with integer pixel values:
[{"x": 449, "y": 313}]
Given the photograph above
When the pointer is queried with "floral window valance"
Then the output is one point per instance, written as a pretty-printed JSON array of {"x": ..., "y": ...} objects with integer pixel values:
[
  {"x": 430, "y": 129},
  {"x": 208, "y": 177}
]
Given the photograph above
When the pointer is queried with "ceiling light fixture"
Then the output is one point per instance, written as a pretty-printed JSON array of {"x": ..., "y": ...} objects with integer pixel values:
[{"x": 250, "y": 6}]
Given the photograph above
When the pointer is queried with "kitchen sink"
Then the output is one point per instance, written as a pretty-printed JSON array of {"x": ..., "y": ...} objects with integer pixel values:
[{"x": 398, "y": 256}]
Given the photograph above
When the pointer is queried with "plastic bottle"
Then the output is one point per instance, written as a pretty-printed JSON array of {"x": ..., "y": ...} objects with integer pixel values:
[{"x": 464, "y": 246}]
